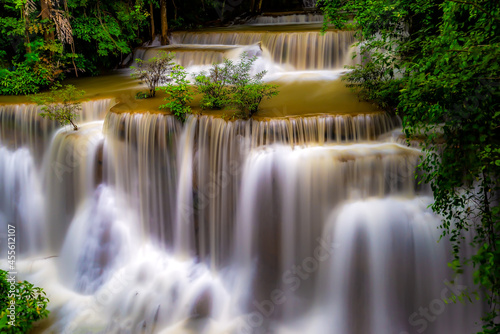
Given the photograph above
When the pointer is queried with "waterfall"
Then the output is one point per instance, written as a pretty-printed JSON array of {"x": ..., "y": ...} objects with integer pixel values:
[
  {"x": 391, "y": 272},
  {"x": 22, "y": 126},
  {"x": 288, "y": 19},
  {"x": 71, "y": 175},
  {"x": 21, "y": 199},
  {"x": 289, "y": 49},
  {"x": 140, "y": 223},
  {"x": 309, "y": 3},
  {"x": 192, "y": 55},
  {"x": 140, "y": 161},
  {"x": 160, "y": 224},
  {"x": 369, "y": 267}
]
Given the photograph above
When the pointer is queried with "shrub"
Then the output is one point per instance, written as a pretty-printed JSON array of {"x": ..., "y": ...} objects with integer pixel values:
[
  {"x": 154, "y": 71},
  {"x": 232, "y": 83},
  {"x": 215, "y": 85},
  {"x": 60, "y": 104},
  {"x": 141, "y": 95},
  {"x": 29, "y": 76},
  {"x": 179, "y": 93},
  {"x": 249, "y": 90},
  {"x": 29, "y": 304},
  {"x": 248, "y": 97}
]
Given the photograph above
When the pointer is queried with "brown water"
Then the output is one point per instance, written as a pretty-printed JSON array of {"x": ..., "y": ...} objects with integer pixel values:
[{"x": 302, "y": 96}]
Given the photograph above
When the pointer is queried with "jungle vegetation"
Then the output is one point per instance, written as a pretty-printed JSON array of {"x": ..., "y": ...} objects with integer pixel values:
[{"x": 44, "y": 41}]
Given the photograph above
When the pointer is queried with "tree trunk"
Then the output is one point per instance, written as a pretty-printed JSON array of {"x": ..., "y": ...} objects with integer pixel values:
[
  {"x": 75, "y": 127},
  {"x": 164, "y": 23},
  {"x": 151, "y": 11},
  {"x": 252, "y": 6},
  {"x": 27, "y": 42},
  {"x": 46, "y": 6}
]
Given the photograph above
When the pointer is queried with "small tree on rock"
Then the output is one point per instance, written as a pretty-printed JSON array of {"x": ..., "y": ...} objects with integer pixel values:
[
  {"x": 154, "y": 71},
  {"x": 61, "y": 104},
  {"x": 232, "y": 83},
  {"x": 214, "y": 85},
  {"x": 179, "y": 93},
  {"x": 249, "y": 90}
]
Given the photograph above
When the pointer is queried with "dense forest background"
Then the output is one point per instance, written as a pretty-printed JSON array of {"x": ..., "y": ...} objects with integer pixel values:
[{"x": 43, "y": 41}]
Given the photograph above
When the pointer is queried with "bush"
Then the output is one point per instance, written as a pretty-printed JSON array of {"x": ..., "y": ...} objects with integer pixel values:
[
  {"x": 215, "y": 85},
  {"x": 28, "y": 301},
  {"x": 60, "y": 104},
  {"x": 154, "y": 71},
  {"x": 231, "y": 83},
  {"x": 141, "y": 95},
  {"x": 179, "y": 93},
  {"x": 248, "y": 97},
  {"x": 248, "y": 90},
  {"x": 35, "y": 72}
]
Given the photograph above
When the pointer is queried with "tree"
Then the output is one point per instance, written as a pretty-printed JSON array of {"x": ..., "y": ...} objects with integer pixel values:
[
  {"x": 61, "y": 104},
  {"x": 154, "y": 71},
  {"x": 164, "y": 22},
  {"x": 152, "y": 17},
  {"x": 436, "y": 64},
  {"x": 45, "y": 12},
  {"x": 179, "y": 93}
]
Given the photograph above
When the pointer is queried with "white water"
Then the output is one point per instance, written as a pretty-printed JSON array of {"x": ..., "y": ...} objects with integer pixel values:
[
  {"x": 309, "y": 3},
  {"x": 277, "y": 50},
  {"x": 139, "y": 224},
  {"x": 287, "y": 19}
]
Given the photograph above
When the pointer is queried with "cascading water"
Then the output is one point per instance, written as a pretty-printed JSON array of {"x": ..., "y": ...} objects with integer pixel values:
[
  {"x": 288, "y": 19},
  {"x": 21, "y": 201},
  {"x": 286, "y": 50},
  {"x": 309, "y": 3},
  {"x": 289, "y": 49},
  {"x": 137, "y": 223}
]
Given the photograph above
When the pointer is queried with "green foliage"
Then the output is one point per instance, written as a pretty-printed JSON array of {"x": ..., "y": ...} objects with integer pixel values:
[
  {"x": 249, "y": 90},
  {"x": 22, "y": 79},
  {"x": 141, "y": 95},
  {"x": 71, "y": 36},
  {"x": 215, "y": 85},
  {"x": 248, "y": 97},
  {"x": 28, "y": 301},
  {"x": 179, "y": 93},
  {"x": 60, "y": 104},
  {"x": 105, "y": 31},
  {"x": 436, "y": 63},
  {"x": 154, "y": 71},
  {"x": 38, "y": 69},
  {"x": 176, "y": 23},
  {"x": 91, "y": 35},
  {"x": 232, "y": 83}
]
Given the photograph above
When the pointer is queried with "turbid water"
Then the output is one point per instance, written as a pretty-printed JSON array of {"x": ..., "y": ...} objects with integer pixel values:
[{"x": 305, "y": 219}]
